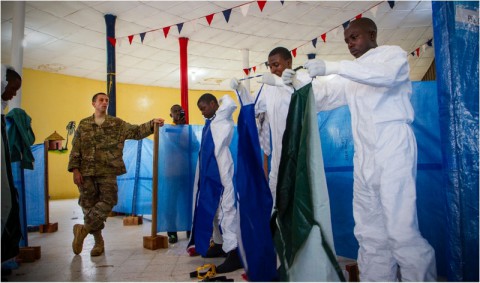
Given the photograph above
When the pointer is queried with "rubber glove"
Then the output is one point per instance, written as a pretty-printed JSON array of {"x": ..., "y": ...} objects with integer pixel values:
[
  {"x": 241, "y": 90},
  {"x": 234, "y": 84},
  {"x": 289, "y": 77},
  {"x": 270, "y": 79},
  {"x": 319, "y": 67}
]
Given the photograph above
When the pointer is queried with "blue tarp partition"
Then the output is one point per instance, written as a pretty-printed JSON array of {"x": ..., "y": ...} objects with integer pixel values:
[
  {"x": 30, "y": 185},
  {"x": 135, "y": 186},
  {"x": 337, "y": 146},
  {"x": 456, "y": 38}
]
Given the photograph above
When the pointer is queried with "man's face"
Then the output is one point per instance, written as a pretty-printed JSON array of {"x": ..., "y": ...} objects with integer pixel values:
[
  {"x": 207, "y": 109},
  {"x": 175, "y": 113},
  {"x": 11, "y": 89},
  {"x": 277, "y": 64},
  {"x": 359, "y": 40},
  {"x": 101, "y": 103}
]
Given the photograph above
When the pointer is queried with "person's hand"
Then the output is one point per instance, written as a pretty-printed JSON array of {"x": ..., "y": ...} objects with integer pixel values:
[
  {"x": 319, "y": 67},
  {"x": 77, "y": 177},
  {"x": 287, "y": 76},
  {"x": 159, "y": 121},
  {"x": 235, "y": 84},
  {"x": 270, "y": 79},
  {"x": 315, "y": 67}
]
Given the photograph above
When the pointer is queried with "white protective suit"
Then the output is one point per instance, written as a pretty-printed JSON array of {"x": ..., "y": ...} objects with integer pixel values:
[
  {"x": 377, "y": 89},
  {"x": 222, "y": 133},
  {"x": 275, "y": 101}
]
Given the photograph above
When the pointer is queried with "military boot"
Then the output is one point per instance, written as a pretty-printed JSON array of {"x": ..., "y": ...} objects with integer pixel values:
[
  {"x": 99, "y": 246},
  {"x": 79, "y": 234}
]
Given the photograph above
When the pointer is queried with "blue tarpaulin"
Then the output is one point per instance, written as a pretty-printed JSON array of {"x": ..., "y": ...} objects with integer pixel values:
[{"x": 455, "y": 29}]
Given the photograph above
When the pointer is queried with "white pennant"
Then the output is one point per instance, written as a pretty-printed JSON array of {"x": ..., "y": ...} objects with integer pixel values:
[
  {"x": 423, "y": 47},
  {"x": 120, "y": 41},
  {"x": 244, "y": 9}
]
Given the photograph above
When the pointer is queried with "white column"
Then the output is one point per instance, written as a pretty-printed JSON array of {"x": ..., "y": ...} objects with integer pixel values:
[
  {"x": 246, "y": 65},
  {"x": 18, "y": 31}
]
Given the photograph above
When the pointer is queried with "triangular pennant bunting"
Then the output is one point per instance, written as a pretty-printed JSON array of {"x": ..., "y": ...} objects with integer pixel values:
[
  {"x": 246, "y": 71},
  {"x": 226, "y": 14},
  {"x": 281, "y": 1},
  {"x": 418, "y": 52},
  {"x": 112, "y": 40},
  {"x": 429, "y": 42},
  {"x": 261, "y": 4},
  {"x": 165, "y": 31},
  {"x": 209, "y": 18},
  {"x": 180, "y": 26},
  {"x": 324, "y": 37},
  {"x": 359, "y": 16},
  {"x": 119, "y": 42},
  {"x": 424, "y": 47},
  {"x": 314, "y": 42},
  {"x": 244, "y": 9},
  {"x": 142, "y": 36},
  {"x": 294, "y": 52},
  {"x": 345, "y": 24},
  {"x": 254, "y": 68},
  {"x": 391, "y": 4},
  {"x": 130, "y": 38}
]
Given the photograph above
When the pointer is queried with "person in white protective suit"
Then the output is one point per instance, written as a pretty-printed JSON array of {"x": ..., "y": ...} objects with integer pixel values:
[
  {"x": 273, "y": 103},
  {"x": 377, "y": 89},
  {"x": 215, "y": 186}
]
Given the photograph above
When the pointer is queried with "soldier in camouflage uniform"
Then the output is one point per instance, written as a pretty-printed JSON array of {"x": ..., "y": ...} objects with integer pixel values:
[{"x": 96, "y": 161}]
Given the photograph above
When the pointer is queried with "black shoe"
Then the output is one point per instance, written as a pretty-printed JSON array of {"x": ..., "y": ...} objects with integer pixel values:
[
  {"x": 215, "y": 250},
  {"x": 172, "y": 237},
  {"x": 188, "y": 234},
  {"x": 231, "y": 263}
]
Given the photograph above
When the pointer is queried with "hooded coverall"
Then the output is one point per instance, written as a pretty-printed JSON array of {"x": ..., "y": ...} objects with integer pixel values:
[{"x": 377, "y": 89}]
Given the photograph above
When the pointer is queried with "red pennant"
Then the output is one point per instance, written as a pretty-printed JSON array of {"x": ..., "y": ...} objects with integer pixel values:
[
  {"x": 324, "y": 37},
  {"x": 294, "y": 52},
  {"x": 418, "y": 51},
  {"x": 209, "y": 18},
  {"x": 261, "y": 4},
  {"x": 358, "y": 16},
  {"x": 130, "y": 38},
  {"x": 254, "y": 69},
  {"x": 165, "y": 31},
  {"x": 112, "y": 40},
  {"x": 246, "y": 71}
]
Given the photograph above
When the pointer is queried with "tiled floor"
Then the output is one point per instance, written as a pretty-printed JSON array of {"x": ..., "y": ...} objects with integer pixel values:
[{"x": 125, "y": 259}]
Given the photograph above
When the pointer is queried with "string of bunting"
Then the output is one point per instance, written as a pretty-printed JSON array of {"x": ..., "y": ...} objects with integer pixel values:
[
  {"x": 424, "y": 46},
  {"x": 209, "y": 18},
  {"x": 244, "y": 10},
  {"x": 323, "y": 36}
]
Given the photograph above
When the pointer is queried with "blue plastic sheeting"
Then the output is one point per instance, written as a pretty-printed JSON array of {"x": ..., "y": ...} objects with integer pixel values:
[
  {"x": 30, "y": 185},
  {"x": 337, "y": 146},
  {"x": 177, "y": 161},
  {"x": 455, "y": 27},
  {"x": 135, "y": 186}
]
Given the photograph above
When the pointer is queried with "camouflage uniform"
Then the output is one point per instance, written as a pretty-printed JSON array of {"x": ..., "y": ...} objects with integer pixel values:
[{"x": 97, "y": 153}]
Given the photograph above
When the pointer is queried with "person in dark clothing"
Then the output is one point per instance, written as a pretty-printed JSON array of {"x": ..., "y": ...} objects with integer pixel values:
[{"x": 11, "y": 231}]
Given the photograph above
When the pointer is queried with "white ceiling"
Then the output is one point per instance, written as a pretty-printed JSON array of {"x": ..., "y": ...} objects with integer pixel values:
[{"x": 69, "y": 37}]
